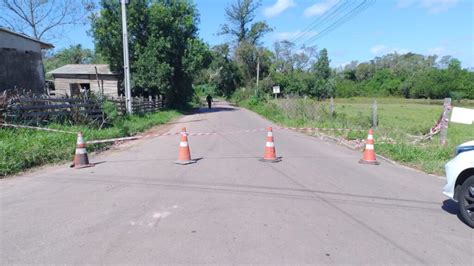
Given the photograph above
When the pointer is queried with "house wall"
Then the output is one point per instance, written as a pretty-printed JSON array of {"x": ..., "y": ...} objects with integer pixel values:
[
  {"x": 62, "y": 84},
  {"x": 21, "y": 64}
]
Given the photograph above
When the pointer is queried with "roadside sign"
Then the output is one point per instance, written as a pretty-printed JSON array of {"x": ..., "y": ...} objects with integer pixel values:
[
  {"x": 462, "y": 115},
  {"x": 276, "y": 89}
]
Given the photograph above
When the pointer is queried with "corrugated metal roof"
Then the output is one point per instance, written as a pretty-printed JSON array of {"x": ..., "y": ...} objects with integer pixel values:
[
  {"x": 84, "y": 69},
  {"x": 44, "y": 45}
]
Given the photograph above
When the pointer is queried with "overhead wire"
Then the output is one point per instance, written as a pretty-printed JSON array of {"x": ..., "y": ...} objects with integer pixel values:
[
  {"x": 337, "y": 15},
  {"x": 335, "y": 10},
  {"x": 359, "y": 9}
]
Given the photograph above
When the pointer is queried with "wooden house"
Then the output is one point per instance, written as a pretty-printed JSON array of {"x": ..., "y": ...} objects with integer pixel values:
[
  {"x": 21, "y": 63},
  {"x": 74, "y": 79}
]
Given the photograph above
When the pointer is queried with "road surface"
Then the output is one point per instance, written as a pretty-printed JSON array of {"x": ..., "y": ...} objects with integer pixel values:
[{"x": 317, "y": 206}]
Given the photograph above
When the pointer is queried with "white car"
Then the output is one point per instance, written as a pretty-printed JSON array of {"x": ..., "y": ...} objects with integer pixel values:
[{"x": 460, "y": 181}]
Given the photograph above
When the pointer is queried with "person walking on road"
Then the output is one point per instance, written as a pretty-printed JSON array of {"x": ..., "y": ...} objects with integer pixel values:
[{"x": 209, "y": 100}]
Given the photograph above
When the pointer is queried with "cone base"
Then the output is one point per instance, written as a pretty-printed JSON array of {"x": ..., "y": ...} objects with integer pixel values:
[
  {"x": 185, "y": 162},
  {"x": 369, "y": 162},
  {"x": 276, "y": 160}
]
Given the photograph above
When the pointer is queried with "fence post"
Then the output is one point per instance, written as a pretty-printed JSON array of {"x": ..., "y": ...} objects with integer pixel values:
[
  {"x": 331, "y": 106},
  {"x": 444, "y": 122},
  {"x": 375, "y": 119}
]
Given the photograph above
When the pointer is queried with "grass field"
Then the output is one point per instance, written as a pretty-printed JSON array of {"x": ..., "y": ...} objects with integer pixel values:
[
  {"x": 21, "y": 149},
  {"x": 399, "y": 120}
]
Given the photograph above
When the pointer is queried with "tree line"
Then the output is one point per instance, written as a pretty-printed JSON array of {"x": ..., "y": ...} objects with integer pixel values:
[{"x": 167, "y": 57}]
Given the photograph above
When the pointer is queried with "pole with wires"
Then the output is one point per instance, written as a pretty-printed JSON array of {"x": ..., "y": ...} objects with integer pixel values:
[
  {"x": 126, "y": 65},
  {"x": 258, "y": 73}
]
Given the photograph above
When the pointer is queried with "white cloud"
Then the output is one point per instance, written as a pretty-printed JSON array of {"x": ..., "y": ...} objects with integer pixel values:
[
  {"x": 432, "y": 6},
  {"x": 381, "y": 49},
  {"x": 278, "y": 7},
  {"x": 319, "y": 8},
  {"x": 280, "y": 36}
]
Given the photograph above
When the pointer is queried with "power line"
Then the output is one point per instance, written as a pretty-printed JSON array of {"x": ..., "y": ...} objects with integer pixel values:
[
  {"x": 351, "y": 14},
  {"x": 335, "y": 9}
]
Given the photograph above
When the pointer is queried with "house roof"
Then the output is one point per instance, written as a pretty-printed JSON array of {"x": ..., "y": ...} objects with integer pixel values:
[
  {"x": 83, "y": 69},
  {"x": 44, "y": 45}
]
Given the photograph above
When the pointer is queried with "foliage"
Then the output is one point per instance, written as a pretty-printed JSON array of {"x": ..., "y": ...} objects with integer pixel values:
[
  {"x": 165, "y": 52},
  {"x": 321, "y": 67},
  {"x": 240, "y": 15},
  {"x": 398, "y": 119},
  {"x": 21, "y": 149},
  {"x": 75, "y": 54},
  {"x": 246, "y": 37},
  {"x": 408, "y": 75}
]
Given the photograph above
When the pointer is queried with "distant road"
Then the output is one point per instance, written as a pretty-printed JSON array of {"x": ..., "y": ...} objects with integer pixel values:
[{"x": 317, "y": 206}]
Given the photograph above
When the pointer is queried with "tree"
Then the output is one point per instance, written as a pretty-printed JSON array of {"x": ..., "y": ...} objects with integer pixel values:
[
  {"x": 321, "y": 67},
  {"x": 224, "y": 73},
  {"x": 284, "y": 59},
  {"x": 43, "y": 19},
  {"x": 75, "y": 54},
  {"x": 240, "y": 15},
  {"x": 246, "y": 35},
  {"x": 165, "y": 53}
]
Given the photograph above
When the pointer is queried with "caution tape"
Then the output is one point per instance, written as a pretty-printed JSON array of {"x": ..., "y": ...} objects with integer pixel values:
[
  {"x": 318, "y": 129},
  {"x": 177, "y": 133},
  {"x": 113, "y": 140},
  {"x": 38, "y": 128}
]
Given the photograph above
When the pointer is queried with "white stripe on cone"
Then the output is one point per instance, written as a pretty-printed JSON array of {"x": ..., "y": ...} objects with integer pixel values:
[
  {"x": 183, "y": 144},
  {"x": 81, "y": 151},
  {"x": 369, "y": 146},
  {"x": 80, "y": 140},
  {"x": 270, "y": 134},
  {"x": 370, "y": 137},
  {"x": 270, "y": 144}
]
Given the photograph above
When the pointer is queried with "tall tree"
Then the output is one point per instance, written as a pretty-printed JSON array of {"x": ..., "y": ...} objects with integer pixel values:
[
  {"x": 43, "y": 19},
  {"x": 240, "y": 15},
  {"x": 165, "y": 53},
  {"x": 321, "y": 67},
  {"x": 246, "y": 35}
]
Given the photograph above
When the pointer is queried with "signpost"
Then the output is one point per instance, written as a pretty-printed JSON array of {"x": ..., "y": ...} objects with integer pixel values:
[{"x": 276, "y": 90}]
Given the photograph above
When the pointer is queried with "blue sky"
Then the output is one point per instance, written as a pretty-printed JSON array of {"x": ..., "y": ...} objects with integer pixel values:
[{"x": 442, "y": 27}]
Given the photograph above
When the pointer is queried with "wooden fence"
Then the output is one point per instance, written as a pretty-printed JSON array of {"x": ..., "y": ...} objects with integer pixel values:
[
  {"x": 31, "y": 110},
  {"x": 140, "y": 105},
  {"x": 38, "y": 110}
]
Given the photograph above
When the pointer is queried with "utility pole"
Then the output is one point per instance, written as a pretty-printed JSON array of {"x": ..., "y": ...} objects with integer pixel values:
[
  {"x": 126, "y": 65},
  {"x": 258, "y": 73}
]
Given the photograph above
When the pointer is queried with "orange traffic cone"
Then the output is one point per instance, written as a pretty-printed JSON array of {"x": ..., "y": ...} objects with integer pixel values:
[
  {"x": 80, "y": 158},
  {"x": 184, "y": 156},
  {"x": 369, "y": 152},
  {"x": 270, "y": 153}
]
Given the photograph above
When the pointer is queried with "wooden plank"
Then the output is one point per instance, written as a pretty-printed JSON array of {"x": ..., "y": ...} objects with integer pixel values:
[
  {"x": 52, "y": 106},
  {"x": 54, "y": 113},
  {"x": 28, "y": 99}
]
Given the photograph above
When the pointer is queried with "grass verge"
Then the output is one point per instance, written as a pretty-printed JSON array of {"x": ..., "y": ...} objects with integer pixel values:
[
  {"x": 21, "y": 149},
  {"x": 400, "y": 120}
]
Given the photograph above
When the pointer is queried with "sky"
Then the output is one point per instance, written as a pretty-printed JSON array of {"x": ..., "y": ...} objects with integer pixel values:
[{"x": 441, "y": 27}]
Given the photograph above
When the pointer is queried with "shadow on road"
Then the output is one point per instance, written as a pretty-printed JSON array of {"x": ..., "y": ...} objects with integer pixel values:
[
  {"x": 450, "y": 206},
  {"x": 216, "y": 109},
  {"x": 260, "y": 191}
]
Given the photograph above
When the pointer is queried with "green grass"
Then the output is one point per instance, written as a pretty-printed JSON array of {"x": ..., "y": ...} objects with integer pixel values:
[
  {"x": 21, "y": 149},
  {"x": 399, "y": 119}
]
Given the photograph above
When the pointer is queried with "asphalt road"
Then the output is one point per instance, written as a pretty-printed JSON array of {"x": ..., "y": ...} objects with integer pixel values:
[{"x": 317, "y": 206}]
